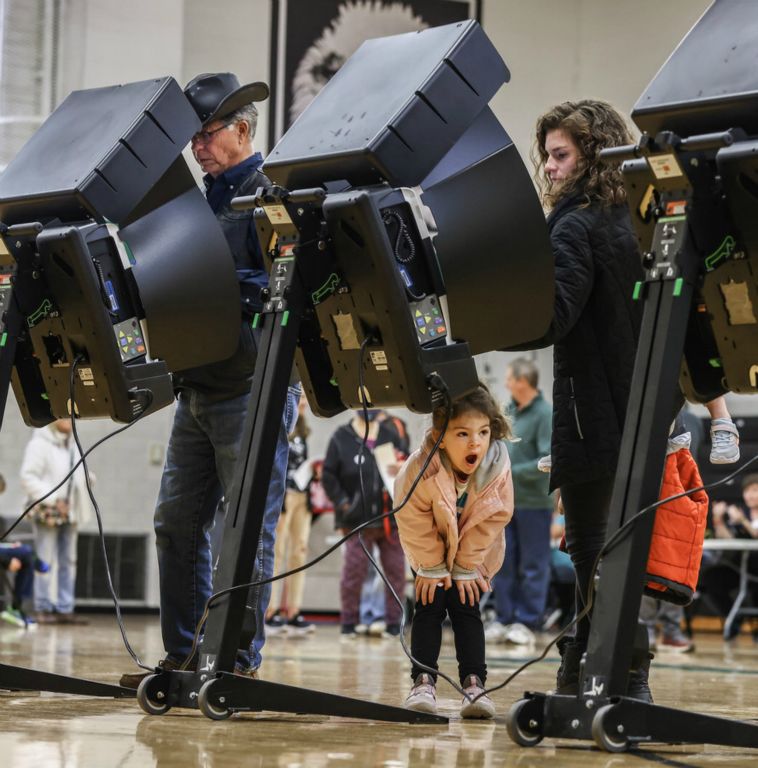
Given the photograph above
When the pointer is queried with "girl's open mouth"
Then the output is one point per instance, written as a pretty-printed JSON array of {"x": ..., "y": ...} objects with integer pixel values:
[{"x": 471, "y": 459}]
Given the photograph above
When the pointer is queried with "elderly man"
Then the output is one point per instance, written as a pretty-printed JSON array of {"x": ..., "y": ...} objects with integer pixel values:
[{"x": 213, "y": 399}]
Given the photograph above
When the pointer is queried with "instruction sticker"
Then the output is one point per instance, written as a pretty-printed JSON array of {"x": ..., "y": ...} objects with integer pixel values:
[
  {"x": 277, "y": 214},
  {"x": 86, "y": 377},
  {"x": 379, "y": 359},
  {"x": 664, "y": 166}
]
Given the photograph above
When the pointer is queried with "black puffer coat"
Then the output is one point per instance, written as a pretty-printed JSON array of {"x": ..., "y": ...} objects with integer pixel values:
[
  {"x": 595, "y": 331},
  {"x": 341, "y": 476}
]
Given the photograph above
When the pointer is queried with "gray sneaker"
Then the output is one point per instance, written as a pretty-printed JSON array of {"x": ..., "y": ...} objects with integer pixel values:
[
  {"x": 519, "y": 634},
  {"x": 676, "y": 642},
  {"x": 725, "y": 442},
  {"x": 496, "y": 633},
  {"x": 476, "y": 706},
  {"x": 423, "y": 695},
  {"x": 377, "y": 628}
]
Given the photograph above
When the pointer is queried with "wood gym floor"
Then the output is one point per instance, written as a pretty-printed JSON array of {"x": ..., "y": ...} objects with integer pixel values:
[{"x": 63, "y": 731}]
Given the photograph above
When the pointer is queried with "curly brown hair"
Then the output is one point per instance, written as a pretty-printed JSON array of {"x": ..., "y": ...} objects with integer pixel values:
[
  {"x": 478, "y": 401},
  {"x": 592, "y": 125}
]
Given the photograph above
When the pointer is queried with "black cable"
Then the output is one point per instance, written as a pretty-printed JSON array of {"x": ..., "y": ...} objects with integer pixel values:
[
  {"x": 103, "y": 290},
  {"x": 606, "y": 548},
  {"x": 355, "y": 531},
  {"x": 402, "y": 235},
  {"x": 88, "y": 482},
  {"x": 382, "y": 575},
  {"x": 76, "y": 466},
  {"x": 228, "y": 590}
]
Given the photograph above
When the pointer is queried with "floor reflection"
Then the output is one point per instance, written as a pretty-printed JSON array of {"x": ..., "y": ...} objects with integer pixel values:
[{"x": 56, "y": 731}]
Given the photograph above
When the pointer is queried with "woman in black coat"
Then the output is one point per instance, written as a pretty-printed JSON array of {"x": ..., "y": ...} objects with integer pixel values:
[
  {"x": 347, "y": 465},
  {"x": 594, "y": 331}
]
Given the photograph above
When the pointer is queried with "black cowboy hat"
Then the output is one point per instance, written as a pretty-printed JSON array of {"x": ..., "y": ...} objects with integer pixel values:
[{"x": 214, "y": 95}]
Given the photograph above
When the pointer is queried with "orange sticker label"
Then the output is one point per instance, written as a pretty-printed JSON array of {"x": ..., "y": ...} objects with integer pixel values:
[{"x": 676, "y": 207}]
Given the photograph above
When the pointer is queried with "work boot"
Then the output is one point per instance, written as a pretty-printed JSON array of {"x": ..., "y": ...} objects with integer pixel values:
[
  {"x": 133, "y": 679},
  {"x": 567, "y": 679},
  {"x": 637, "y": 686}
]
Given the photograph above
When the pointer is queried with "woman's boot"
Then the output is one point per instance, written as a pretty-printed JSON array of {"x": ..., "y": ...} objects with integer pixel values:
[
  {"x": 567, "y": 679},
  {"x": 638, "y": 686}
]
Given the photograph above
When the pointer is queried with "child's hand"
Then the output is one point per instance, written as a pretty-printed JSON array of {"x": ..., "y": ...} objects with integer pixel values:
[
  {"x": 425, "y": 588},
  {"x": 468, "y": 590}
]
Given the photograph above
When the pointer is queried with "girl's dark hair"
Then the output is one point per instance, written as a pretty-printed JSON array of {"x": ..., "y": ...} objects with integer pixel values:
[
  {"x": 479, "y": 401},
  {"x": 592, "y": 125}
]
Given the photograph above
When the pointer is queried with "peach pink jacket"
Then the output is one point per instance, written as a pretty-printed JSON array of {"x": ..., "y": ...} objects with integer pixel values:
[{"x": 429, "y": 532}]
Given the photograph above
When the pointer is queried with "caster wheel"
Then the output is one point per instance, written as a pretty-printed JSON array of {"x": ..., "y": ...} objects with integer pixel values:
[
  {"x": 522, "y": 734},
  {"x": 614, "y": 742},
  {"x": 213, "y": 711},
  {"x": 149, "y": 700}
]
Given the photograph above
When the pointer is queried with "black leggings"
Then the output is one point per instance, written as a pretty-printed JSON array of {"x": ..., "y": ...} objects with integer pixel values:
[
  {"x": 586, "y": 506},
  {"x": 426, "y": 634}
]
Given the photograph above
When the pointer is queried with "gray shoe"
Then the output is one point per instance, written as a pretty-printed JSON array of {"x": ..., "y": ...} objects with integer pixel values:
[
  {"x": 496, "y": 633},
  {"x": 519, "y": 634},
  {"x": 725, "y": 442},
  {"x": 423, "y": 695},
  {"x": 478, "y": 706},
  {"x": 676, "y": 642},
  {"x": 377, "y": 628}
]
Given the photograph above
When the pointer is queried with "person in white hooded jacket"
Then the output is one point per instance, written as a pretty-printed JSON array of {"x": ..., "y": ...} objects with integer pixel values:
[{"x": 49, "y": 457}]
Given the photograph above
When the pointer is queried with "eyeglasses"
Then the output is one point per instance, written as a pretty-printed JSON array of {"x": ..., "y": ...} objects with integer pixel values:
[{"x": 203, "y": 137}]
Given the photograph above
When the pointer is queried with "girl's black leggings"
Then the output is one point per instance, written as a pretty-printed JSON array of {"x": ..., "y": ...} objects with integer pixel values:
[{"x": 426, "y": 634}]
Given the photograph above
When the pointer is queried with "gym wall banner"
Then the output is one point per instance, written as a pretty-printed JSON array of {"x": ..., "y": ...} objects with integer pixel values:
[{"x": 311, "y": 39}]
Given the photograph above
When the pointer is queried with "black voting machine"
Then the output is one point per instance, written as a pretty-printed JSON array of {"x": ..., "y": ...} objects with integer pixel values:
[
  {"x": 340, "y": 240},
  {"x": 388, "y": 217},
  {"x": 97, "y": 210},
  {"x": 692, "y": 184}
]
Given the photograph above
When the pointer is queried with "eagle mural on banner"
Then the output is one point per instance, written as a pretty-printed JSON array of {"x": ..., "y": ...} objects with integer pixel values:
[{"x": 312, "y": 39}]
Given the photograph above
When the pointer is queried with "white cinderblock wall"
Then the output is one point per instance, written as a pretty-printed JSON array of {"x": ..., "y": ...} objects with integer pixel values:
[{"x": 555, "y": 49}]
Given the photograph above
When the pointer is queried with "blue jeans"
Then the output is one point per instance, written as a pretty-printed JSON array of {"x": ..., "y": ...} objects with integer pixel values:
[
  {"x": 372, "y": 595},
  {"x": 200, "y": 462},
  {"x": 56, "y": 545},
  {"x": 23, "y": 583},
  {"x": 521, "y": 584}
]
